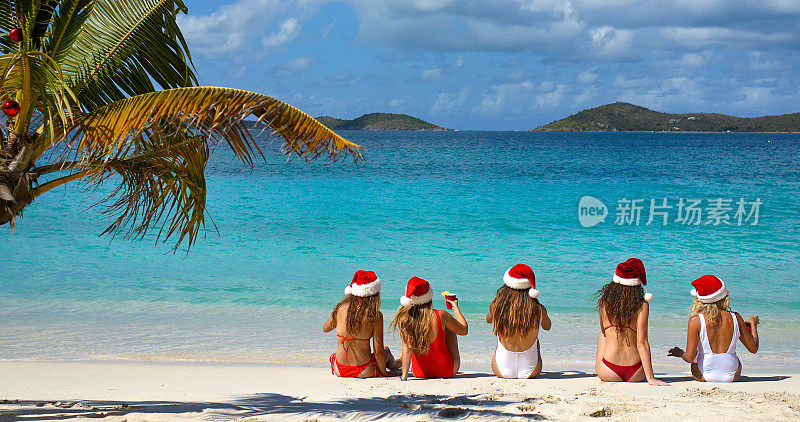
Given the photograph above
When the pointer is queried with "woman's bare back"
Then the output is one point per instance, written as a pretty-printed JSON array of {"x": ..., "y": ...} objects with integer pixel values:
[
  {"x": 352, "y": 348},
  {"x": 620, "y": 341}
]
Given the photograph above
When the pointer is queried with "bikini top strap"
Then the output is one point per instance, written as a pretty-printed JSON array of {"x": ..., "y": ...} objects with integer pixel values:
[
  {"x": 346, "y": 343},
  {"x": 439, "y": 321}
]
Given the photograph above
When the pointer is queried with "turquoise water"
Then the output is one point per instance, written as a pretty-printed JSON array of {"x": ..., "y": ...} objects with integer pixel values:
[{"x": 456, "y": 208}]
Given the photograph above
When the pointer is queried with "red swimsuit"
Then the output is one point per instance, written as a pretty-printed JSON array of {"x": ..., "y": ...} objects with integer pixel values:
[
  {"x": 352, "y": 371},
  {"x": 625, "y": 372},
  {"x": 437, "y": 363}
]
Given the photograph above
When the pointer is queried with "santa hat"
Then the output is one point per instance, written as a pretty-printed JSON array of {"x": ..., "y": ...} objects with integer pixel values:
[
  {"x": 418, "y": 292},
  {"x": 631, "y": 273},
  {"x": 365, "y": 283},
  {"x": 521, "y": 277},
  {"x": 709, "y": 289}
]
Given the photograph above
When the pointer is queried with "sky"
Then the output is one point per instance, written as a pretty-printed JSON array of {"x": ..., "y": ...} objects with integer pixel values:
[{"x": 502, "y": 64}]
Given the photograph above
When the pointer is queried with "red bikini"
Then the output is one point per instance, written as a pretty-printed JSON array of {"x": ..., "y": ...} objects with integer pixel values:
[
  {"x": 625, "y": 372},
  {"x": 352, "y": 371},
  {"x": 437, "y": 363}
]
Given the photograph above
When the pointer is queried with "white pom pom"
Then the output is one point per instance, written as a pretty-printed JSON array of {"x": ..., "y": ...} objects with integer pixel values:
[
  {"x": 694, "y": 293},
  {"x": 348, "y": 290},
  {"x": 648, "y": 297},
  {"x": 533, "y": 293},
  {"x": 406, "y": 301}
]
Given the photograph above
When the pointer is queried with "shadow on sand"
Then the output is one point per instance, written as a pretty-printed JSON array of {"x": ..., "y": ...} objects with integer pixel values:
[
  {"x": 266, "y": 404},
  {"x": 743, "y": 378}
]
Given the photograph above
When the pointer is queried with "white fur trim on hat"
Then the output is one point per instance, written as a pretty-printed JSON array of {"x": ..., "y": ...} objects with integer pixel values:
[
  {"x": 516, "y": 283},
  {"x": 417, "y": 300},
  {"x": 627, "y": 281},
  {"x": 533, "y": 293},
  {"x": 364, "y": 290},
  {"x": 716, "y": 296}
]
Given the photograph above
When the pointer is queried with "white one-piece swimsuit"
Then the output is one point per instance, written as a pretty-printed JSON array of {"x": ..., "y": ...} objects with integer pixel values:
[
  {"x": 717, "y": 367},
  {"x": 516, "y": 364}
]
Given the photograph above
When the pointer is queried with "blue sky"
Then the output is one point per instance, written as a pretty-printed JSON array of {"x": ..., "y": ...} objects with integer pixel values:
[{"x": 502, "y": 64}]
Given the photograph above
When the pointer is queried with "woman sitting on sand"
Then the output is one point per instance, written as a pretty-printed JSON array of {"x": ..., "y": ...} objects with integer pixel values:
[
  {"x": 429, "y": 339},
  {"x": 517, "y": 315},
  {"x": 623, "y": 351},
  {"x": 357, "y": 319},
  {"x": 712, "y": 326}
]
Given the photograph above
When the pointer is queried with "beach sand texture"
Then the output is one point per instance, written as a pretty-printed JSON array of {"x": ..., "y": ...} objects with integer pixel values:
[{"x": 148, "y": 391}]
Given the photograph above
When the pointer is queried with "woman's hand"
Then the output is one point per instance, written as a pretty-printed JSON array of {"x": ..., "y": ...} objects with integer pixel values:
[
  {"x": 453, "y": 303},
  {"x": 676, "y": 352},
  {"x": 753, "y": 321},
  {"x": 657, "y": 382}
]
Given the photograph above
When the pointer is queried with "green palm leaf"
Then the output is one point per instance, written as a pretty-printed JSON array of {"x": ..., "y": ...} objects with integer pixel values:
[
  {"x": 158, "y": 144},
  {"x": 121, "y": 38}
]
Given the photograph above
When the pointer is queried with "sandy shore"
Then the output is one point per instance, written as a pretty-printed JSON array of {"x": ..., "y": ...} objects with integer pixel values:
[{"x": 139, "y": 391}]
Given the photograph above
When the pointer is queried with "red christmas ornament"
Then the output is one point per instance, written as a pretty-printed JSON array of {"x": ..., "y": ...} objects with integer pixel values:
[
  {"x": 16, "y": 35},
  {"x": 11, "y": 108}
]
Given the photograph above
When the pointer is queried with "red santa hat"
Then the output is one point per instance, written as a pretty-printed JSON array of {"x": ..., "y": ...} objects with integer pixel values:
[
  {"x": 418, "y": 292},
  {"x": 631, "y": 273},
  {"x": 709, "y": 289},
  {"x": 365, "y": 283},
  {"x": 521, "y": 277}
]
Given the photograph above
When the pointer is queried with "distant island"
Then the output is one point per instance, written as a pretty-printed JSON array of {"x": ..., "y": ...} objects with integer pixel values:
[
  {"x": 379, "y": 121},
  {"x": 621, "y": 116}
]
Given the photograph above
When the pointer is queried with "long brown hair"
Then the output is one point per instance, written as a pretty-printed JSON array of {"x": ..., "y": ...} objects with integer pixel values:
[
  {"x": 415, "y": 325},
  {"x": 621, "y": 303},
  {"x": 360, "y": 311},
  {"x": 514, "y": 312}
]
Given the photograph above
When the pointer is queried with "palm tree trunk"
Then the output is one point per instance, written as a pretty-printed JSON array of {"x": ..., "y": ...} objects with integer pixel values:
[{"x": 16, "y": 184}]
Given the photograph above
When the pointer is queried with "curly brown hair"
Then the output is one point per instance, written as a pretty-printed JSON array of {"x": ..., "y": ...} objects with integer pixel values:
[
  {"x": 514, "y": 312},
  {"x": 621, "y": 303},
  {"x": 360, "y": 311},
  {"x": 415, "y": 325}
]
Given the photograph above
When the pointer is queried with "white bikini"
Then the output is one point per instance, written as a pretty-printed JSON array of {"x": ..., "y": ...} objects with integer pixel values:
[
  {"x": 717, "y": 367},
  {"x": 516, "y": 364}
]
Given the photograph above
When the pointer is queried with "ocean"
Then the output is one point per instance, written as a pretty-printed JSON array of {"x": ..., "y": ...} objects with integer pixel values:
[{"x": 456, "y": 208}]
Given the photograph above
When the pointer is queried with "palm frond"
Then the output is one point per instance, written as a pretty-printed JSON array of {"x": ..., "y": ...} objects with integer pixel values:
[
  {"x": 52, "y": 98},
  {"x": 162, "y": 184},
  {"x": 68, "y": 21},
  {"x": 121, "y": 38},
  {"x": 214, "y": 113},
  {"x": 158, "y": 143}
]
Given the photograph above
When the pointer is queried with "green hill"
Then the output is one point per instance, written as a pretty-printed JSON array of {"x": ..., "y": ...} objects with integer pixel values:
[
  {"x": 621, "y": 116},
  {"x": 379, "y": 121}
]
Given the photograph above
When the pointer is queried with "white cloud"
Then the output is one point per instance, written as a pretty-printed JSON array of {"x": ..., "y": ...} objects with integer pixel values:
[
  {"x": 399, "y": 103},
  {"x": 581, "y": 30},
  {"x": 451, "y": 101},
  {"x": 235, "y": 29},
  {"x": 288, "y": 31},
  {"x": 293, "y": 67},
  {"x": 432, "y": 74},
  {"x": 588, "y": 76},
  {"x": 502, "y": 97}
]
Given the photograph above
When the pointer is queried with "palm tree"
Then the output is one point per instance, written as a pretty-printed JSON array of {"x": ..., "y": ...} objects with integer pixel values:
[{"x": 104, "y": 91}]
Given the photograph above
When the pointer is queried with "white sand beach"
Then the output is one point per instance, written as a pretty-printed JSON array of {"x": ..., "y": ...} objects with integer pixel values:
[{"x": 155, "y": 391}]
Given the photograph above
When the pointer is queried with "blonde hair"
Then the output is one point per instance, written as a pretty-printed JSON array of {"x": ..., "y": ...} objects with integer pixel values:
[
  {"x": 711, "y": 310},
  {"x": 415, "y": 325}
]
